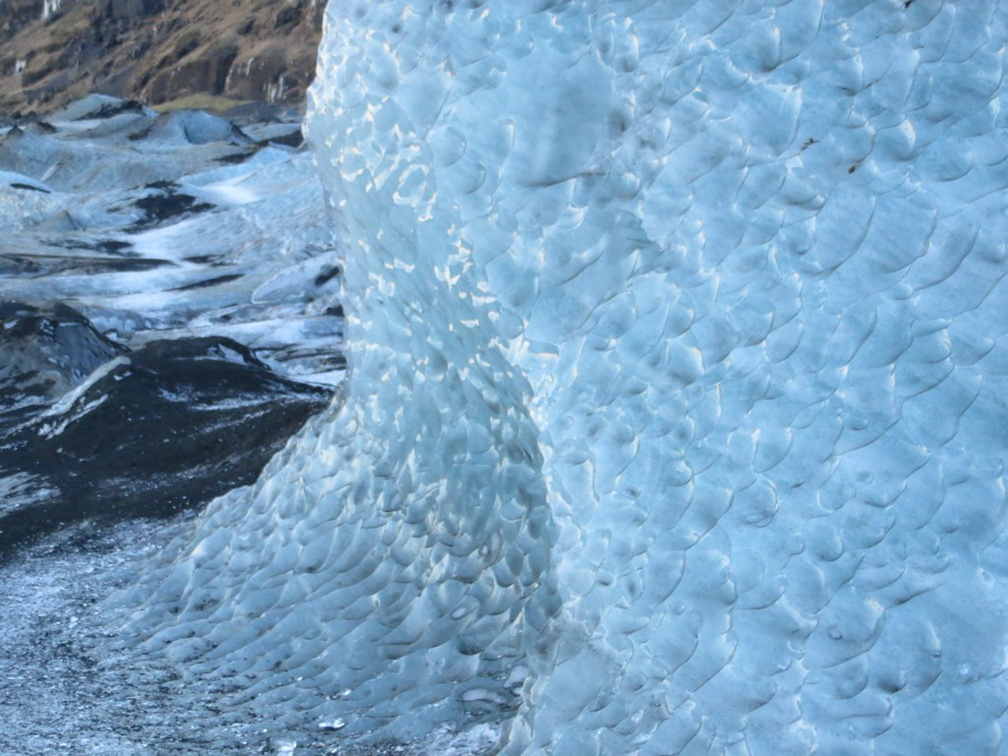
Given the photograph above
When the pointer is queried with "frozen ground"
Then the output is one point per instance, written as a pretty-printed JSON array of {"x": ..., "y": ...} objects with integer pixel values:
[
  {"x": 675, "y": 420},
  {"x": 140, "y": 258}
]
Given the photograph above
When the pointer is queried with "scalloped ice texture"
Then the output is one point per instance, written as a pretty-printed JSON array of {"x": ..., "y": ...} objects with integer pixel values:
[{"x": 676, "y": 404}]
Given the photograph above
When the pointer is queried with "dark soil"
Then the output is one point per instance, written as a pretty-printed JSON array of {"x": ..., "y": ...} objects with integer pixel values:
[{"x": 172, "y": 426}]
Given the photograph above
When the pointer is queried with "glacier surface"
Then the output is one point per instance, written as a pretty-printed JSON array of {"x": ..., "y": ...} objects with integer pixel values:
[{"x": 676, "y": 405}]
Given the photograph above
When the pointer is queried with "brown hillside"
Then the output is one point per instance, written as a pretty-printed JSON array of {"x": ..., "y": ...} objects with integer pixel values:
[{"x": 156, "y": 51}]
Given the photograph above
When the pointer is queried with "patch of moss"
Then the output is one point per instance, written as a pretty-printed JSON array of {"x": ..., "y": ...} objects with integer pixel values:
[{"x": 212, "y": 103}]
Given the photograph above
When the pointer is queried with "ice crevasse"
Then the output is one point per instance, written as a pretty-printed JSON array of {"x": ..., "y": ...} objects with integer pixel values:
[{"x": 676, "y": 413}]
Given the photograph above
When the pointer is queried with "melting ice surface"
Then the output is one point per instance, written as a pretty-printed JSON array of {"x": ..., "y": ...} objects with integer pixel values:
[{"x": 675, "y": 419}]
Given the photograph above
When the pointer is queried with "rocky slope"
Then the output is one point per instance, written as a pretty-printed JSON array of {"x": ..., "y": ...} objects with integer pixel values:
[{"x": 155, "y": 51}]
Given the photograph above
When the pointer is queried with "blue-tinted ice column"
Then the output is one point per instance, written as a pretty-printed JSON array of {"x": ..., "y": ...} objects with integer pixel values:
[
  {"x": 750, "y": 260},
  {"x": 390, "y": 571}
]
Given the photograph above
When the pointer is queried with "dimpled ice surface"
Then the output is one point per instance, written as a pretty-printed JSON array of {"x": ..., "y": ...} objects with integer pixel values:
[{"x": 675, "y": 419}]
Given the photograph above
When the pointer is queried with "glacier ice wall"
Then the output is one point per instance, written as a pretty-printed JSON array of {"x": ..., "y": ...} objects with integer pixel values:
[{"x": 675, "y": 419}]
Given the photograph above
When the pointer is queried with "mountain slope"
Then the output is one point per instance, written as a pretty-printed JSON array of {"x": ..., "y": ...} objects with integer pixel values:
[{"x": 156, "y": 51}]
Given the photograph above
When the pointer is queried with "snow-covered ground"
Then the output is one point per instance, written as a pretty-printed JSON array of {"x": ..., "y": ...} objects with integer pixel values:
[{"x": 675, "y": 419}]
